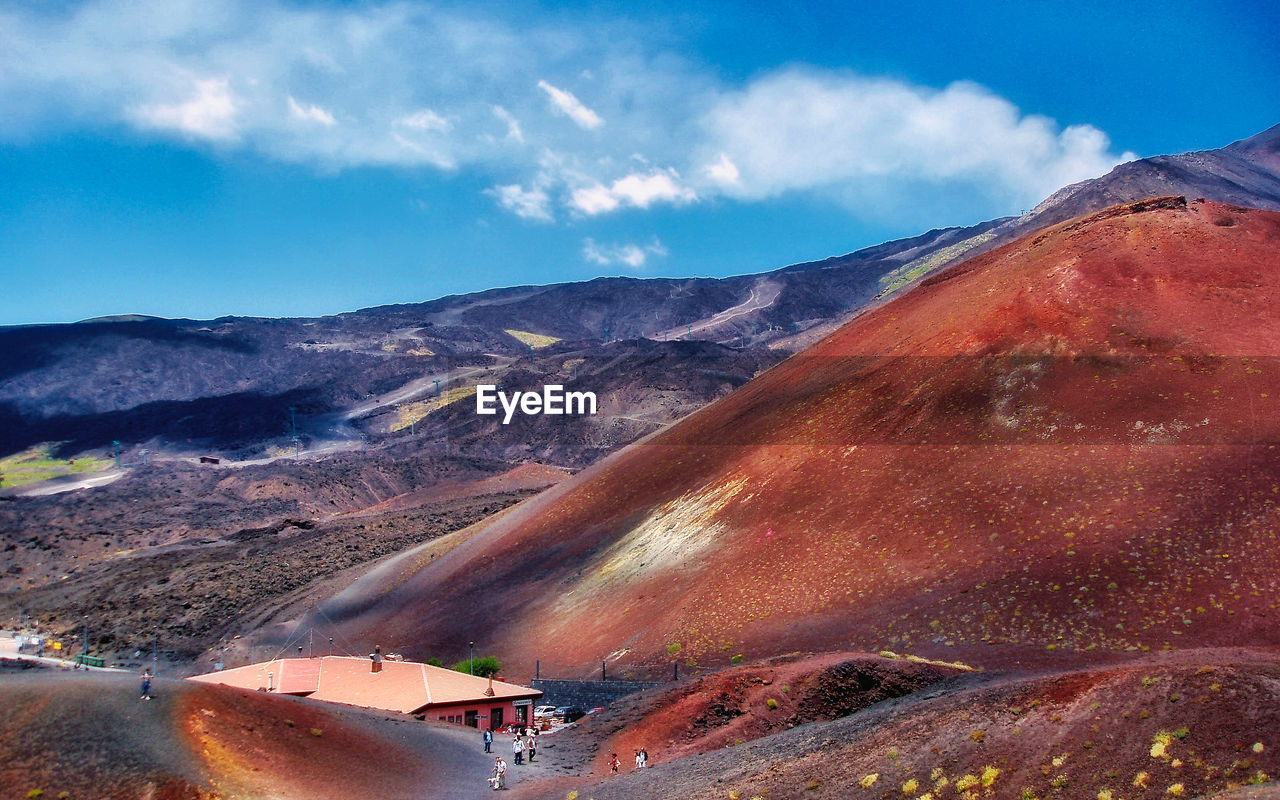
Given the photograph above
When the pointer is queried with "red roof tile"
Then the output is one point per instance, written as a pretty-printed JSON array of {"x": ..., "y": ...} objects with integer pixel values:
[{"x": 404, "y": 686}]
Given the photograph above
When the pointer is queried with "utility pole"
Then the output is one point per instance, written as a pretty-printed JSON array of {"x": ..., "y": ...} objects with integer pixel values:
[
  {"x": 311, "y": 644},
  {"x": 471, "y": 661},
  {"x": 86, "y": 635},
  {"x": 116, "y": 445},
  {"x": 293, "y": 421},
  {"x": 330, "y": 645},
  {"x": 436, "y": 381}
]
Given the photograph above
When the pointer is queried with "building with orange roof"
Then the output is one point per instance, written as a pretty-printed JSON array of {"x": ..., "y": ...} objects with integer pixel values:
[{"x": 404, "y": 686}]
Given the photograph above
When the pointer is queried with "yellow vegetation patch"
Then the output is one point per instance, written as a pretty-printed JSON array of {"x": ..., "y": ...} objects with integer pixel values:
[
  {"x": 534, "y": 340},
  {"x": 38, "y": 464},
  {"x": 869, "y": 780},
  {"x": 420, "y": 351},
  {"x": 412, "y": 413}
]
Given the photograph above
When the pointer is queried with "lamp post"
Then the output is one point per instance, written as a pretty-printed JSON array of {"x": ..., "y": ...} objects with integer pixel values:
[{"x": 471, "y": 662}]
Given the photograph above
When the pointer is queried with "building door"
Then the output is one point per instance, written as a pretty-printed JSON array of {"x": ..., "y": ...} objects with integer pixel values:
[
  {"x": 469, "y": 719},
  {"x": 495, "y": 718}
]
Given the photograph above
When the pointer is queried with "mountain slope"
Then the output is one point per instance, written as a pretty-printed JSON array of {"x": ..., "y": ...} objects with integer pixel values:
[{"x": 1060, "y": 449}]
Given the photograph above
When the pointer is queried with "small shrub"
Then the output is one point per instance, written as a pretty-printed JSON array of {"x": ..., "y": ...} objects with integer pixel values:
[
  {"x": 1141, "y": 779},
  {"x": 484, "y": 667},
  {"x": 910, "y": 787},
  {"x": 966, "y": 783},
  {"x": 813, "y": 784},
  {"x": 1175, "y": 790},
  {"x": 736, "y": 659},
  {"x": 989, "y": 775},
  {"x": 978, "y": 736},
  {"x": 673, "y": 648},
  {"x": 289, "y": 723},
  {"x": 771, "y": 703},
  {"x": 36, "y": 793},
  {"x": 317, "y": 732},
  {"x": 435, "y": 662},
  {"x": 573, "y": 795},
  {"x": 869, "y": 780}
]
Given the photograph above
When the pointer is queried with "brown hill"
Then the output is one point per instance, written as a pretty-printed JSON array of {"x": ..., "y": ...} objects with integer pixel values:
[
  {"x": 1171, "y": 726},
  {"x": 1061, "y": 450},
  {"x": 88, "y": 735}
]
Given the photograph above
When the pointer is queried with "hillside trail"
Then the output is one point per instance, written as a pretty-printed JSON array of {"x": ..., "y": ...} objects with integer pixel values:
[{"x": 763, "y": 294}]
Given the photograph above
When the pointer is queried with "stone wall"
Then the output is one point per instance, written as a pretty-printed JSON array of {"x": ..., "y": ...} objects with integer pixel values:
[{"x": 586, "y": 694}]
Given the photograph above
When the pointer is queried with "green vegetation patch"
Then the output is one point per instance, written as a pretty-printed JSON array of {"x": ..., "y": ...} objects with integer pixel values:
[
  {"x": 534, "y": 340},
  {"x": 38, "y": 464},
  {"x": 412, "y": 413},
  {"x": 922, "y": 266}
]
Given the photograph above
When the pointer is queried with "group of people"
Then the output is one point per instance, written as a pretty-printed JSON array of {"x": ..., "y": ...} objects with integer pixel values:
[
  {"x": 524, "y": 742},
  {"x": 642, "y": 761}
]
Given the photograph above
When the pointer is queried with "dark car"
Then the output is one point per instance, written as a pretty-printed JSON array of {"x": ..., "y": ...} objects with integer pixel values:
[{"x": 568, "y": 714}]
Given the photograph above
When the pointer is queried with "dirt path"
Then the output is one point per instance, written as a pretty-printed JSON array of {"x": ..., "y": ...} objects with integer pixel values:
[{"x": 763, "y": 294}]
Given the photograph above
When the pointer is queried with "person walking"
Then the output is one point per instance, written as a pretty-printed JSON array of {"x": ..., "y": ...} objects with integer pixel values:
[
  {"x": 613, "y": 764},
  {"x": 146, "y": 684},
  {"x": 499, "y": 779},
  {"x": 531, "y": 743},
  {"x": 517, "y": 750},
  {"x": 487, "y": 737},
  {"x": 644, "y": 758}
]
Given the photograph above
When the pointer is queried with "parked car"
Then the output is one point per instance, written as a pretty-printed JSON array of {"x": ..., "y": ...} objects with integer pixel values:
[
  {"x": 544, "y": 712},
  {"x": 568, "y": 714}
]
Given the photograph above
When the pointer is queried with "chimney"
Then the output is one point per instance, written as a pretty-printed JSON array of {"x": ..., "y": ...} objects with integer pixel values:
[
  {"x": 489, "y": 691},
  {"x": 376, "y": 657}
]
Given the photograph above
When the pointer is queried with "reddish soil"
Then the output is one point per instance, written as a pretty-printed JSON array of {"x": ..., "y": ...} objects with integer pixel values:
[
  {"x": 1170, "y": 726},
  {"x": 526, "y": 477},
  {"x": 1059, "y": 452},
  {"x": 88, "y": 735},
  {"x": 734, "y": 705}
]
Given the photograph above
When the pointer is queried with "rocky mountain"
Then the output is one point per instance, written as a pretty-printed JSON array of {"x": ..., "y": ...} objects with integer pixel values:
[{"x": 1060, "y": 450}]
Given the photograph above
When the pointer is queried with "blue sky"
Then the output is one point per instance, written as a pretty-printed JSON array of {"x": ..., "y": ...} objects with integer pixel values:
[{"x": 259, "y": 157}]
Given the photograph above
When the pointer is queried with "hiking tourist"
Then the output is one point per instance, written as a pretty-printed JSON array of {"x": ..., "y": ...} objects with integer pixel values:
[
  {"x": 499, "y": 779},
  {"x": 517, "y": 749},
  {"x": 487, "y": 737}
]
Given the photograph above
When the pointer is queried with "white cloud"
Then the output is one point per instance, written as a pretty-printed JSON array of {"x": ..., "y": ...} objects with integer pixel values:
[
  {"x": 723, "y": 171},
  {"x": 634, "y": 190},
  {"x": 514, "y": 133},
  {"x": 208, "y": 113},
  {"x": 403, "y": 84},
  {"x": 571, "y": 107},
  {"x": 424, "y": 120},
  {"x": 534, "y": 204},
  {"x": 629, "y": 255},
  {"x": 808, "y": 130},
  {"x": 310, "y": 113}
]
